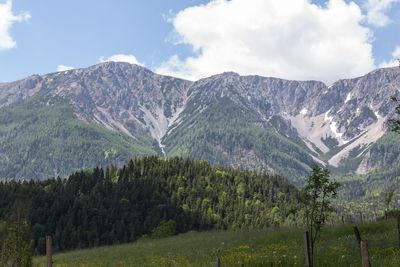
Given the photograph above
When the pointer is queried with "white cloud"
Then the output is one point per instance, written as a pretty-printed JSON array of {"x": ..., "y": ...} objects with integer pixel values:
[
  {"x": 396, "y": 52},
  {"x": 122, "y": 58},
  {"x": 394, "y": 61},
  {"x": 7, "y": 19},
  {"x": 376, "y": 12},
  {"x": 64, "y": 68},
  {"x": 292, "y": 39},
  {"x": 115, "y": 58}
]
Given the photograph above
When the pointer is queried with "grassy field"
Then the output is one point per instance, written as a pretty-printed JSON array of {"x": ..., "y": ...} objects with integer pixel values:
[{"x": 244, "y": 248}]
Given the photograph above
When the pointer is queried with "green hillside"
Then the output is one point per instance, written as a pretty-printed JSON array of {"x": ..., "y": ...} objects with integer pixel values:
[
  {"x": 281, "y": 248},
  {"x": 43, "y": 138},
  {"x": 369, "y": 190},
  {"x": 224, "y": 134}
]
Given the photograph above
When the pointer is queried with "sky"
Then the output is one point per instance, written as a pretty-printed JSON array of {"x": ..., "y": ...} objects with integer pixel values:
[{"x": 322, "y": 40}]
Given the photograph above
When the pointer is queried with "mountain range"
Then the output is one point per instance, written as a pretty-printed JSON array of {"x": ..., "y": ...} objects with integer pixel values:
[{"x": 54, "y": 124}]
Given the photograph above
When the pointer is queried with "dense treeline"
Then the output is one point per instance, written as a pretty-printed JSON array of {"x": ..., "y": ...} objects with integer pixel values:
[{"x": 148, "y": 196}]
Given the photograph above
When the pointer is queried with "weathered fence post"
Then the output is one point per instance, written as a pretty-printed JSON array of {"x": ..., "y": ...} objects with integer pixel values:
[
  {"x": 357, "y": 234},
  {"x": 49, "y": 251},
  {"x": 307, "y": 250},
  {"x": 398, "y": 227},
  {"x": 218, "y": 262},
  {"x": 364, "y": 254}
]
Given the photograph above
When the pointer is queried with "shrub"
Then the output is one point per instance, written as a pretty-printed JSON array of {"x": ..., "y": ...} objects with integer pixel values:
[{"x": 164, "y": 229}]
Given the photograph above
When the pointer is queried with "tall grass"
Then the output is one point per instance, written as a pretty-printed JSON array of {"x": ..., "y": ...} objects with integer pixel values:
[{"x": 283, "y": 247}]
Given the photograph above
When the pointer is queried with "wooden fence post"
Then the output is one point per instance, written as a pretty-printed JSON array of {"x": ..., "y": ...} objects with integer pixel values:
[
  {"x": 307, "y": 252},
  {"x": 364, "y": 254},
  {"x": 218, "y": 262},
  {"x": 49, "y": 251},
  {"x": 398, "y": 227},
  {"x": 357, "y": 234}
]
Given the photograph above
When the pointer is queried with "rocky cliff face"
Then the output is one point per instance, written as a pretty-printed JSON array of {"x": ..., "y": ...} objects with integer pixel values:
[
  {"x": 119, "y": 96},
  {"x": 122, "y": 97},
  {"x": 285, "y": 123},
  {"x": 331, "y": 121}
]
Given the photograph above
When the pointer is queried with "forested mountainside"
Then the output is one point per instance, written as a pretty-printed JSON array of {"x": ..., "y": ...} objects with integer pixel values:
[
  {"x": 54, "y": 124},
  {"x": 150, "y": 196}
]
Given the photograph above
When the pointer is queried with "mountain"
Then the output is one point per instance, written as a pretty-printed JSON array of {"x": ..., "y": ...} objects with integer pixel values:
[{"x": 106, "y": 114}]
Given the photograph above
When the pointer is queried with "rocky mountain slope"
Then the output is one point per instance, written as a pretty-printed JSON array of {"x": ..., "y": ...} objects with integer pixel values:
[{"x": 53, "y": 124}]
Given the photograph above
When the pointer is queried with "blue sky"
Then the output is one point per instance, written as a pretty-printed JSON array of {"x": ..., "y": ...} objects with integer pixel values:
[{"x": 78, "y": 33}]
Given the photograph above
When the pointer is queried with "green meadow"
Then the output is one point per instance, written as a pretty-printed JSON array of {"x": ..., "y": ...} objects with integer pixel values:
[{"x": 273, "y": 247}]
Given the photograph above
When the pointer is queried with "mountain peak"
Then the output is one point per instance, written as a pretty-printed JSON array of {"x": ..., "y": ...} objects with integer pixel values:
[
  {"x": 160, "y": 112},
  {"x": 114, "y": 65}
]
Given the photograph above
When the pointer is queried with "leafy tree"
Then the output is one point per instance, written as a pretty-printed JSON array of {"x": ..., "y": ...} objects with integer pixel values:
[
  {"x": 318, "y": 193},
  {"x": 394, "y": 126},
  {"x": 389, "y": 199},
  {"x": 17, "y": 246},
  {"x": 394, "y": 123}
]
